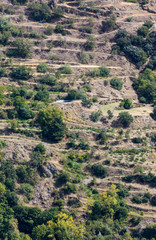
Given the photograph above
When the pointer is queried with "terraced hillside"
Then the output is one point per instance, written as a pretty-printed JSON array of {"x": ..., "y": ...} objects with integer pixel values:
[{"x": 77, "y": 119}]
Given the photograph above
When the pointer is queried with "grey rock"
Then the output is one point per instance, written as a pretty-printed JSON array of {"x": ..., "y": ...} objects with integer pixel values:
[
  {"x": 52, "y": 168},
  {"x": 49, "y": 170},
  {"x": 46, "y": 172}
]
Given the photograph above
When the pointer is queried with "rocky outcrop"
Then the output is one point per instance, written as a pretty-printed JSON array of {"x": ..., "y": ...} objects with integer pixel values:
[{"x": 49, "y": 170}]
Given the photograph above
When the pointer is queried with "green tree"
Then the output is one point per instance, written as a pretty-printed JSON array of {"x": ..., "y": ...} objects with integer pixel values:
[
  {"x": 49, "y": 30},
  {"x": 149, "y": 232},
  {"x": 143, "y": 31},
  {"x": 65, "y": 228},
  {"x": 40, "y": 148},
  {"x": 41, "y": 232},
  {"x": 154, "y": 113},
  {"x": 116, "y": 83},
  {"x": 2, "y": 96},
  {"x": 42, "y": 67},
  {"x": 126, "y": 103},
  {"x": 66, "y": 69},
  {"x": 22, "y": 48},
  {"x": 109, "y": 24},
  {"x": 90, "y": 43},
  {"x": 58, "y": 12},
  {"x": 21, "y": 2},
  {"x": 110, "y": 114},
  {"x": 99, "y": 170},
  {"x": 42, "y": 95},
  {"x": 6, "y": 214},
  {"x": 51, "y": 122},
  {"x": 2, "y": 72},
  {"x": 95, "y": 115},
  {"x": 40, "y": 12},
  {"x": 125, "y": 119},
  {"x": 21, "y": 73},
  {"x": 5, "y": 37}
]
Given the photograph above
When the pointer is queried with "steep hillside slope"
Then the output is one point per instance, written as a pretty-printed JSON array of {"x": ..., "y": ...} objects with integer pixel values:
[{"x": 78, "y": 95}]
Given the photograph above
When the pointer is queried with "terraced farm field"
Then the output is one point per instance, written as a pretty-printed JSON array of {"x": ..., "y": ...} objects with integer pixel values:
[{"x": 77, "y": 120}]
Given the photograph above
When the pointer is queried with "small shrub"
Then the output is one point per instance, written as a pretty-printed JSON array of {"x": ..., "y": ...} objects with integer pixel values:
[
  {"x": 100, "y": 72},
  {"x": 137, "y": 140},
  {"x": 116, "y": 83},
  {"x": 86, "y": 29},
  {"x": 95, "y": 116},
  {"x": 63, "y": 177},
  {"x": 11, "y": 198},
  {"x": 21, "y": 2},
  {"x": 125, "y": 119},
  {"x": 126, "y": 103},
  {"x": 27, "y": 190},
  {"x": 42, "y": 95},
  {"x": 48, "y": 79},
  {"x": 42, "y": 67},
  {"x": 60, "y": 29},
  {"x": 22, "y": 48},
  {"x": 136, "y": 199},
  {"x": 87, "y": 103},
  {"x": 109, "y": 24},
  {"x": 110, "y": 114},
  {"x": 76, "y": 94},
  {"x": 121, "y": 213},
  {"x": 25, "y": 112},
  {"x": 153, "y": 200},
  {"x": 90, "y": 44},
  {"x": 128, "y": 178},
  {"x": 57, "y": 13},
  {"x": 49, "y": 30},
  {"x": 143, "y": 31},
  {"x": 84, "y": 58},
  {"x": 83, "y": 145},
  {"x": 21, "y": 73},
  {"x": 2, "y": 72},
  {"x": 149, "y": 232},
  {"x": 153, "y": 137},
  {"x": 70, "y": 188},
  {"x": 135, "y": 220},
  {"x": 59, "y": 203},
  {"x": 66, "y": 69},
  {"x": 104, "y": 71},
  {"x": 74, "y": 202},
  {"x": 148, "y": 24},
  {"x": 40, "y": 12},
  {"x": 40, "y": 148},
  {"x": 99, "y": 171}
]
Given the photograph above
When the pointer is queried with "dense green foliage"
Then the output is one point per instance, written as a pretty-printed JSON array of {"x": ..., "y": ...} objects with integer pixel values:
[
  {"x": 126, "y": 103},
  {"x": 76, "y": 94},
  {"x": 51, "y": 122},
  {"x": 136, "y": 48},
  {"x": 125, "y": 119},
  {"x": 21, "y": 48},
  {"x": 100, "y": 72},
  {"x": 99, "y": 171},
  {"x": 21, "y": 73},
  {"x": 145, "y": 86},
  {"x": 116, "y": 83},
  {"x": 40, "y": 12}
]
